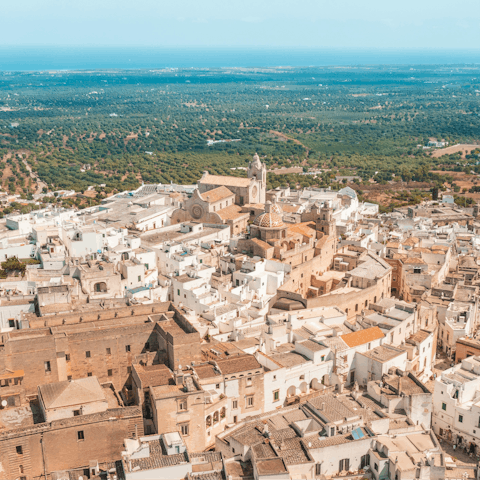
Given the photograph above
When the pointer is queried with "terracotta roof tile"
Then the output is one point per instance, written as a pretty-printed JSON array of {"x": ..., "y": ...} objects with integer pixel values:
[
  {"x": 217, "y": 194},
  {"x": 261, "y": 243},
  {"x": 362, "y": 337},
  {"x": 205, "y": 371},
  {"x": 153, "y": 375},
  {"x": 225, "y": 180},
  {"x": 239, "y": 363},
  {"x": 231, "y": 212},
  {"x": 307, "y": 229}
]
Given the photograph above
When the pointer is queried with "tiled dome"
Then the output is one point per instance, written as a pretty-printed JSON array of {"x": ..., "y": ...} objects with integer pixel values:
[
  {"x": 269, "y": 220},
  {"x": 277, "y": 209}
]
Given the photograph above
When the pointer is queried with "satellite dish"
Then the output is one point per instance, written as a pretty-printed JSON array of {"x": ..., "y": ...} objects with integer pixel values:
[{"x": 4, "y": 403}]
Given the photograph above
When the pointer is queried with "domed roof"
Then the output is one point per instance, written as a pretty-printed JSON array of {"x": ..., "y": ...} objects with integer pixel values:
[
  {"x": 269, "y": 220},
  {"x": 276, "y": 208},
  {"x": 272, "y": 217}
]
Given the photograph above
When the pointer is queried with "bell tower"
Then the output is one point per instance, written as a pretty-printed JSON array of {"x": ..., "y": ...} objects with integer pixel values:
[
  {"x": 325, "y": 222},
  {"x": 258, "y": 171}
]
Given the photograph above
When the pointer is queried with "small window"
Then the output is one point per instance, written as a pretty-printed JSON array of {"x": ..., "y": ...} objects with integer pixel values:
[
  {"x": 127, "y": 348},
  {"x": 217, "y": 385},
  {"x": 89, "y": 374},
  {"x": 48, "y": 367},
  {"x": 276, "y": 395},
  {"x": 185, "y": 429},
  {"x": 69, "y": 377},
  {"x": 323, "y": 358},
  {"x": 19, "y": 449},
  {"x": 67, "y": 357},
  {"x": 274, "y": 377},
  {"x": 249, "y": 381},
  {"x": 110, "y": 373},
  {"x": 178, "y": 292},
  {"x": 235, "y": 404},
  {"x": 182, "y": 406},
  {"x": 139, "y": 278},
  {"x": 76, "y": 413},
  {"x": 444, "y": 406},
  {"x": 80, "y": 436},
  {"x": 460, "y": 418},
  {"x": 109, "y": 351},
  {"x": 250, "y": 401},
  {"x": 88, "y": 354}
]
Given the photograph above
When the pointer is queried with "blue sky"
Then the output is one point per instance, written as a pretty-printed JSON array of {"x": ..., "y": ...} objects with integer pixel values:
[{"x": 294, "y": 23}]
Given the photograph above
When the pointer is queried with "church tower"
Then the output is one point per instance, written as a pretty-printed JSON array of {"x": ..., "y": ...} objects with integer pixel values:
[
  {"x": 325, "y": 222},
  {"x": 258, "y": 171}
]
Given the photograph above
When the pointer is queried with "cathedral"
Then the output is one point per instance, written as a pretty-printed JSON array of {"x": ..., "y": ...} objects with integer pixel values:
[
  {"x": 222, "y": 199},
  {"x": 248, "y": 190}
]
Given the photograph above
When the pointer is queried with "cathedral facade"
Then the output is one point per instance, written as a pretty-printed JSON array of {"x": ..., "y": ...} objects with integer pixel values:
[{"x": 250, "y": 190}]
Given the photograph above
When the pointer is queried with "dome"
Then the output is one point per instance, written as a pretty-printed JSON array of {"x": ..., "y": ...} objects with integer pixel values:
[
  {"x": 269, "y": 220},
  {"x": 277, "y": 209}
]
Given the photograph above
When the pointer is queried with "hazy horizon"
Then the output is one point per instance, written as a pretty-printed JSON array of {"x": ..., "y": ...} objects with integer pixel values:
[{"x": 66, "y": 58}]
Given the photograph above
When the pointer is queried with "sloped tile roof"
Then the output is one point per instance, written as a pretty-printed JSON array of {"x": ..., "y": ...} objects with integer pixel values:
[
  {"x": 362, "y": 337},
  {"x": 74, "y": 392},
  {"x": 217, "y": 194},
  {"x": 225, "y": 180}
]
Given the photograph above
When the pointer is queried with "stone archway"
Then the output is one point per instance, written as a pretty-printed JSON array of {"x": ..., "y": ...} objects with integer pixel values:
[
  {"x": 303, "y": 387},
  {"x": 315, "y": 384},
  {"x": 291, "y": 392}
]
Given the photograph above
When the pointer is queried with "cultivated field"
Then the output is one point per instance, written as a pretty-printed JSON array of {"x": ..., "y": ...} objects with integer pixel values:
[{"x": 464, "y": 149}]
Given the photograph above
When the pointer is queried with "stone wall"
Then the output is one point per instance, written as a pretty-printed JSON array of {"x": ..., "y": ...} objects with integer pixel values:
[{"x": 55, "y": 446}]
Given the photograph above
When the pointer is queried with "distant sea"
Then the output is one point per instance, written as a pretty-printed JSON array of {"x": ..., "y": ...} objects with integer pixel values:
[{"x": 101, "y": 58}]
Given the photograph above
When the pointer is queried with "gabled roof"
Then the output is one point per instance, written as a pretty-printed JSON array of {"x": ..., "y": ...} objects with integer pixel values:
[
  {"x": 217, "y": 194},
  {"x": 208, "y": 179},
  {"x": 239, "y": 363},
  {"x": 362, "y": 337},
  {"x": 73, "y": 392},
  {"x": 306, "y": 228},
  {"x": 232, "y": 212},
  {"x": 261, "y": 243}
]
